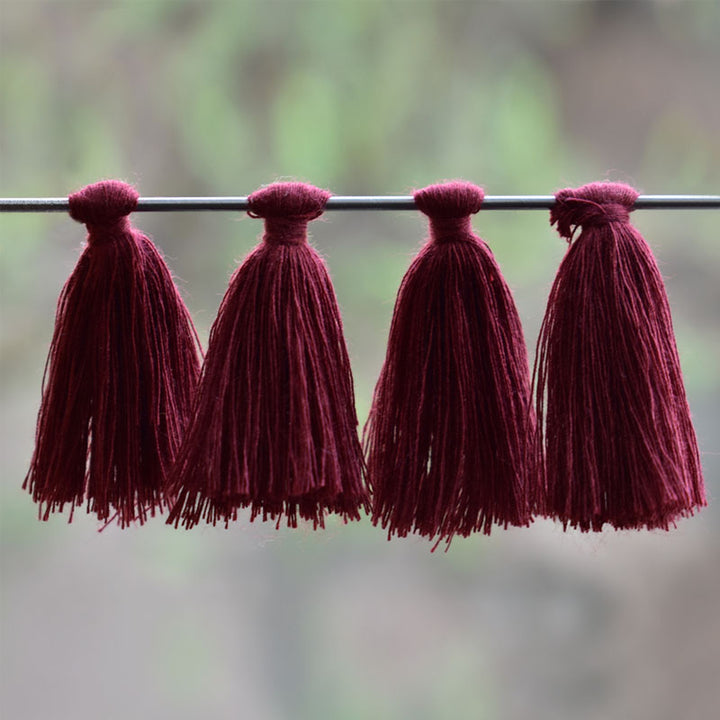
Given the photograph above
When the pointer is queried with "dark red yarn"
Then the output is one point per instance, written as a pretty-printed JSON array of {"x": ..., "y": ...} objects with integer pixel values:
[
  {"x": 616, "y": 444},
  {"x": 120, "y": 375},
  {"x": 446, "y": 440},
  {"x": 275, "y": 427}
]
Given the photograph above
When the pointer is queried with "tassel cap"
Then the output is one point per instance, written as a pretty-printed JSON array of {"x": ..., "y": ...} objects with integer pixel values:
[
  {"x": 103, "y": 207},
  {"x": 287, "y": 208},
  {"x": 592, "y": 205},
  {"x": 449, "y": 206}
]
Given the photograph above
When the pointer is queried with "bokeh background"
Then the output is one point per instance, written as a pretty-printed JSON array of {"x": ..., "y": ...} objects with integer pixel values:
[{"x": 363, "y": 97}]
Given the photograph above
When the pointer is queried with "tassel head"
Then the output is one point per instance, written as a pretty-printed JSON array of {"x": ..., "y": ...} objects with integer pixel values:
[
  {"x": 592, "y": 205},
  {"x": 104, "y": 206}
]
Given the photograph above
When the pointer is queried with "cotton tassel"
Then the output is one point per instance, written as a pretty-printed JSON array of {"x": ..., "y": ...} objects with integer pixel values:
[
  {"x": 615, "y": 429},
  {"x": 446, "y": 439},
  {"x": 120, "y": 375},
  {"x": 275, "y": 427}
]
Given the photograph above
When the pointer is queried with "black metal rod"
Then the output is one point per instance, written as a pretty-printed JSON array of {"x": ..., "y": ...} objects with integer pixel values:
[{"x": 364, "y": 202}]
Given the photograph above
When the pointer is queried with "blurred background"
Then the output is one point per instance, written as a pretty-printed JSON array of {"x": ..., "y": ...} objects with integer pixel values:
[{"x": 361, "y": 97}]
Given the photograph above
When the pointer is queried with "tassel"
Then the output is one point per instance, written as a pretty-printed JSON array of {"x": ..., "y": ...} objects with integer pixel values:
[
  {"x": 447, "y": 432},
  {"x": 122, "y": 368},
  {"x": 613, "y": 417},
  {"x": 275, "y": 427}
]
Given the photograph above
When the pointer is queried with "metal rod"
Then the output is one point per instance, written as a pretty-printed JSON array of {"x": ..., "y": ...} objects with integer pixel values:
[{"x": 357, "y": 202}]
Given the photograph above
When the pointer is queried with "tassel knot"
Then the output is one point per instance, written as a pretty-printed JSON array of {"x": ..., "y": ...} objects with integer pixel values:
[
  {"x": 285, "y": 230},
  {"x": 103, "y": 204},
  {"x": 287, "y": 209},
  {"x": 108, "y": 232},
  {"x": 592, "y": 205},
  {"x": 449, "y": 207},
  {"x": 456, "y": 199},
  {"x": 451, "y": 229},
  {"x": 288, "y": 200}
]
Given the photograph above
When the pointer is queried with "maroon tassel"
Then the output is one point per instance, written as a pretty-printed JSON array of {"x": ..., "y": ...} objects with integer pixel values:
[
  {"x": 614, "y": 422},
  {"x": 120, "y": 375},
  {"x": 447, "y": 432},
  {"x": 275, "y": 427}
]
